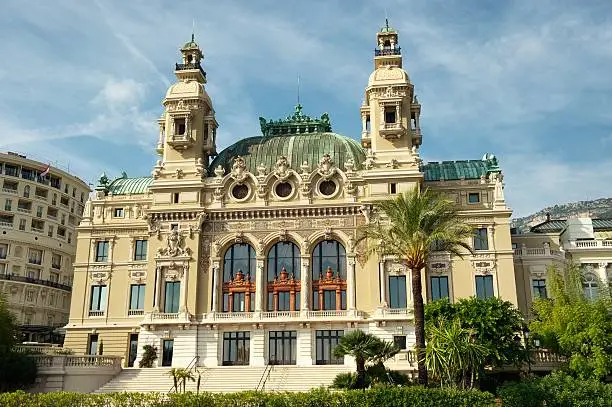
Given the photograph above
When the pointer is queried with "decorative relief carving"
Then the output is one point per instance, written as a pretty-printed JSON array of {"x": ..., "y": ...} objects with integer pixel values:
[
  {"x": 175, "y": 271},
  {"x": 282, "y": 168},
  {"x": 326, "y": 167},
  {"x": 174, "y": 246},
  {"x": 484, "y": 263},
  {"x": 99, "y": 277},
  {"x": 138, "y": 276},
  {"x": 239, "y": 170}
]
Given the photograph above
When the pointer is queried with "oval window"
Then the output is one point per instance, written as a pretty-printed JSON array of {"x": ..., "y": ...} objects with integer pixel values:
[
  {"x": 240, "y": 191},
  {"x": 327, "y": 188},
  {"x": 283, "y": 189}
]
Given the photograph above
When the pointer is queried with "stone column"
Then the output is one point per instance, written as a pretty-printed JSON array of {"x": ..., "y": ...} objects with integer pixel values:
[
  {"x": 260, "y": 288},
  {"x": 304, "y": 283},
  {"x": 184, "y": 291},
  {"x": 304, "y": 346},
  {"x": 257, "y": 347},
  {"x": 157, "y": 288},
  {"x": 350, "y": 283},
  {"x": 215, "y": 286},
  {"x": 491, "y": 237},
  {"x": 383, "y": 282}
]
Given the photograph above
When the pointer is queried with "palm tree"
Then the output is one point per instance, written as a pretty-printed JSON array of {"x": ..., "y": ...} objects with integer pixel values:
[
  {"x": 413, "y": 225},
  {"x": 365, "y": 349}
]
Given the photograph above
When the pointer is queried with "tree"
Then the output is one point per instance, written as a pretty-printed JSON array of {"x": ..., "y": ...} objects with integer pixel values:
[
  {"x": 414, "y": 225},
  {"x": 366, "y": 349},
  {"x": 8, "y": 328},
  {"x": 453, "y": 354},
  {"x": 574, "y": 326},
  {"x": 492, "y": 322},
  {"x": 180, "y": 376}
]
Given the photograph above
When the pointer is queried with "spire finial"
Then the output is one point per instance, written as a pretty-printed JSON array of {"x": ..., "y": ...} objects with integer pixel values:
[
  {"x": 193, "y": 30},
  {"x": 387, "y": 23},
  {"x": 298, "y": 89}
]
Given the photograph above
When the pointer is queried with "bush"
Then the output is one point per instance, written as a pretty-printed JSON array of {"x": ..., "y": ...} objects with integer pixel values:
[
  {"x": 17, "y": 371},
  {"x": 397, "y": 396},
  {"x": 344, "y": 380},
  {"x": 148, "y": 357},
  {"x": 557, "y": 390}
]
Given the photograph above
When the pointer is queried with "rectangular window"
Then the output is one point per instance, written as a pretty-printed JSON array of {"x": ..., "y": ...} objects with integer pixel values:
[
  {"x": 118, "y": 213},
  {"x": 140, "y": 250},
  {"x": 22, "y": 224},
  {"x": 167, "y": 352},
  {"x": 282, "y": 347},
  {"x": 35, "y": 256},
  {"x": 33, "y": 274},
  {"x": 175, "y": 197},
  {"x": 326, "y": 341},
  {"x": 54, "y": 277},
  {"x": 56, "y": 261},
  {"x": 390, "y": 115},
  {"x": 98, "y": 298},
  {"x": 397, "y": 292},
  {"x": 439, "y": 287},
  {"x": 3, "y": 250},
  {"x": 329, "y": 299},
  {"x": 400, "y": 341},
  {"x": 481, "y": 240},
  {"x": 393, "y": 188},
  {"x": 7, "y": 205},
  {"x": 102, "y": 251},
  {"x": 50, "y": 231},
  {"x": 473, "y": 197},
  {"x": 179, "y": 126},
  {"x": 284, "y": 298},
  {"x": 133, "y": 349},
  {"x": 92, "y": 344},
  {"x": 539, "y": 288},
  {"x": 137, "y": 293},
  {"x": 236, "y": 348},
  {"x": 172, "y": 298},
  {"x": 484, "y": 287},
  {"x": 39, "y": 211}
]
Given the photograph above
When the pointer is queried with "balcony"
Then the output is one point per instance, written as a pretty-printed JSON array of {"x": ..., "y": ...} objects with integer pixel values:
[
  {"x": 24, "y": 210},
  {"x": 135, "y": 312},
  {"x": 588, "y": 245},
  {"x": 401, "y": 314},
  {"x": 392, "y": 130},
  {"x": 184, "y": 67},
  {"x": 96, "y": 313},
  {"x": 283, "y": 316},
  {"x": 538, "y": 252},
  {"x": 38, "y": 230},
  {"x": 387, "y": 51},
  {"x": 9, "y": 190},
  {"x": 6, "y": 224},
  {"x": 47, "y": 283}
]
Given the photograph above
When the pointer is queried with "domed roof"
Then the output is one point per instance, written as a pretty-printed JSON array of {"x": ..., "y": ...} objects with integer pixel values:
[
  {"x": 190, "y": 88},
  {"x": 387, "y": 75},
  {"x": 297, "y": 148}
]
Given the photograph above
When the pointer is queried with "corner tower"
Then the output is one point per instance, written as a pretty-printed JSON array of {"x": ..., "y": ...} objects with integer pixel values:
[
  {"x": 390, "y": 111},
  {"x": 187, "y": 127}
]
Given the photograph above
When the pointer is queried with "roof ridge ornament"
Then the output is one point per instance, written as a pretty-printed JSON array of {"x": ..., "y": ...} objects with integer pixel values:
[{"x": 298, "y": 123}]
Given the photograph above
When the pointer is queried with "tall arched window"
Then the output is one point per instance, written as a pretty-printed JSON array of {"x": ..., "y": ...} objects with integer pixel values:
[
  {"x": 26, "y": 191},
  {"x": 283, "y": 277},
  {"x": 239, "y": 278},
  {"x": 589, "y": 285},
  {"x": 329, "y": 276}
]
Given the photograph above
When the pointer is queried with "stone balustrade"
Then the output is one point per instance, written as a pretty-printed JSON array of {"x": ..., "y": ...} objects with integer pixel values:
[{"x": 588, "y": 244}]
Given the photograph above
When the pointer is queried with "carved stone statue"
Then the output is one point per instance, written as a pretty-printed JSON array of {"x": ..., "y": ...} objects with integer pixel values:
[
  {"x": 282, "y": 168},
  {"x": 239, "y": 169},
  {"x": 326, "y": 166}
]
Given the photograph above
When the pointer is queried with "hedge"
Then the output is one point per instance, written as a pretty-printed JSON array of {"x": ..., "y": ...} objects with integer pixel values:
[
  {"x": 396, "y": 397},
  {"x": 557, "y": 390}
]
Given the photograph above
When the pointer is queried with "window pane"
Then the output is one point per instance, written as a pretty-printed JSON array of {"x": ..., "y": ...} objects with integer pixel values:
[
  {"x": 397, "y": 292},
  {"x": 439, "y": 287}
]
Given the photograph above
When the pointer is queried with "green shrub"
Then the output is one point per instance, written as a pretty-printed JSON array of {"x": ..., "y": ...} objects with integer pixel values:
[
  {"x": 17, "y": 371},
  {"x": 557, "y": 390},
  {"x": 148, "y": 357},
  {"x": 344, "y": 380},
  {"x": 382, "y": 397}
]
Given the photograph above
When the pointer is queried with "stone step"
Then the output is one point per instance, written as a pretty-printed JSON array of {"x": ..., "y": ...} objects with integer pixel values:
[{"x": 227, "y": 379}]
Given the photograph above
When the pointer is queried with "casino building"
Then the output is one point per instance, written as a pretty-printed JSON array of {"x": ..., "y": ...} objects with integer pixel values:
[{"x": 247, "y": 256}]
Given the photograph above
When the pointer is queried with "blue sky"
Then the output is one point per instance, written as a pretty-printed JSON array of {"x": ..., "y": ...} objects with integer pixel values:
[{"x": 81, "y": 81}]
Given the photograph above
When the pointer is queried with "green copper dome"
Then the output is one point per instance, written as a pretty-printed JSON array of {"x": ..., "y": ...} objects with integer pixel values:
[
  {"x": 298, "y": 148},
  {"x": 299, "y": 138}
]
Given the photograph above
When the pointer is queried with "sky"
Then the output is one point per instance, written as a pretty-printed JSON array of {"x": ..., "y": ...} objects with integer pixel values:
[{"x": 81, "y": 82}]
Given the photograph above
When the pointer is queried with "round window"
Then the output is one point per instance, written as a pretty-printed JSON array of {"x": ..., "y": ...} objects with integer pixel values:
[
  {"x": 327, "y": 188},
  {"x": 240, "y": 191},
  {"x": 283, "y": 189}
]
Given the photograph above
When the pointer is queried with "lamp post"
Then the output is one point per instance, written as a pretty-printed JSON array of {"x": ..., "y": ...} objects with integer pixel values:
[{"x": 527, "y": 348}]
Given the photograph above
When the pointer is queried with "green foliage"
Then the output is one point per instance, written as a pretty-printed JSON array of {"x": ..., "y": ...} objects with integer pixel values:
[
  {"x": 8, "y": 328},
  {"x": 413, "y": 225},
  {"x": 557, "y": 390},
  {"x": 453, "y": 354},
  {"x": 375, "y": 375},
  {"x": 366, "y": 349},
  {"x": 494, "y": 324},
  {"x": 180, "y": 376},
  {"x": 17, "y": 371},
  {"x": 148, "y": 357},
  {"x": 573, "y": 326},
  {"x": 344, "y": 381},
  {"x": 383, "y": 397}
]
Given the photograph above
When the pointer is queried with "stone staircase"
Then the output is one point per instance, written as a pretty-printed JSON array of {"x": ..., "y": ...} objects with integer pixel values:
[{"x": 227, "y": 379}]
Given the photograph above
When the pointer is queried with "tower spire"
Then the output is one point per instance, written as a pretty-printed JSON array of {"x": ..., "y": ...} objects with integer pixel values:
[
  {"x": 298, "y": 89},
  {"x": 193, "y": 30}
]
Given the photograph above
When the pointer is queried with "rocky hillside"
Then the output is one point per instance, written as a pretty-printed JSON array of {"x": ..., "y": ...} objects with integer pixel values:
[{"x": 598, "y": 208}]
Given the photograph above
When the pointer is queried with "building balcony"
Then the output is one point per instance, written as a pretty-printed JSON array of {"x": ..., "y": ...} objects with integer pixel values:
[
  {"x": 47, "y": 283},
  {"x": 283, "y": 316},
  {"x": 24, "y": 210},
  {"x": 135, "y": 312},
  {"x": 588, "y": 245},
  {"x": 6, "y": 224},
  {"x": 10, "y": 190},
  {"x": 393, "y": 314},
  {"x": 387, "y": 51},
  {"x": 538, "y": 252},
  {"x": 392, "y": 130},
  {"x": 184, "y": 67},
  {"x": 180, "y": 141},
  {"x": 96, "y": 313}
]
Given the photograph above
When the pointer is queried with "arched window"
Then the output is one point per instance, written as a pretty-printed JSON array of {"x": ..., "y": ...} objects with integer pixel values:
[
  {"x": 239, "y": 278},
  {"x": 329, "y": 276},
  {"x": 26, "y": 191},
  {"x": 283, "y": 277},
  {"x": 589, "y": 285}
]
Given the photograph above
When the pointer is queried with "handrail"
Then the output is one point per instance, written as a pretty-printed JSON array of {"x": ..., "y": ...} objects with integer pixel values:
[
  {"x": 192, "y": 365},
  {"x": 264, "y": 377}
]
